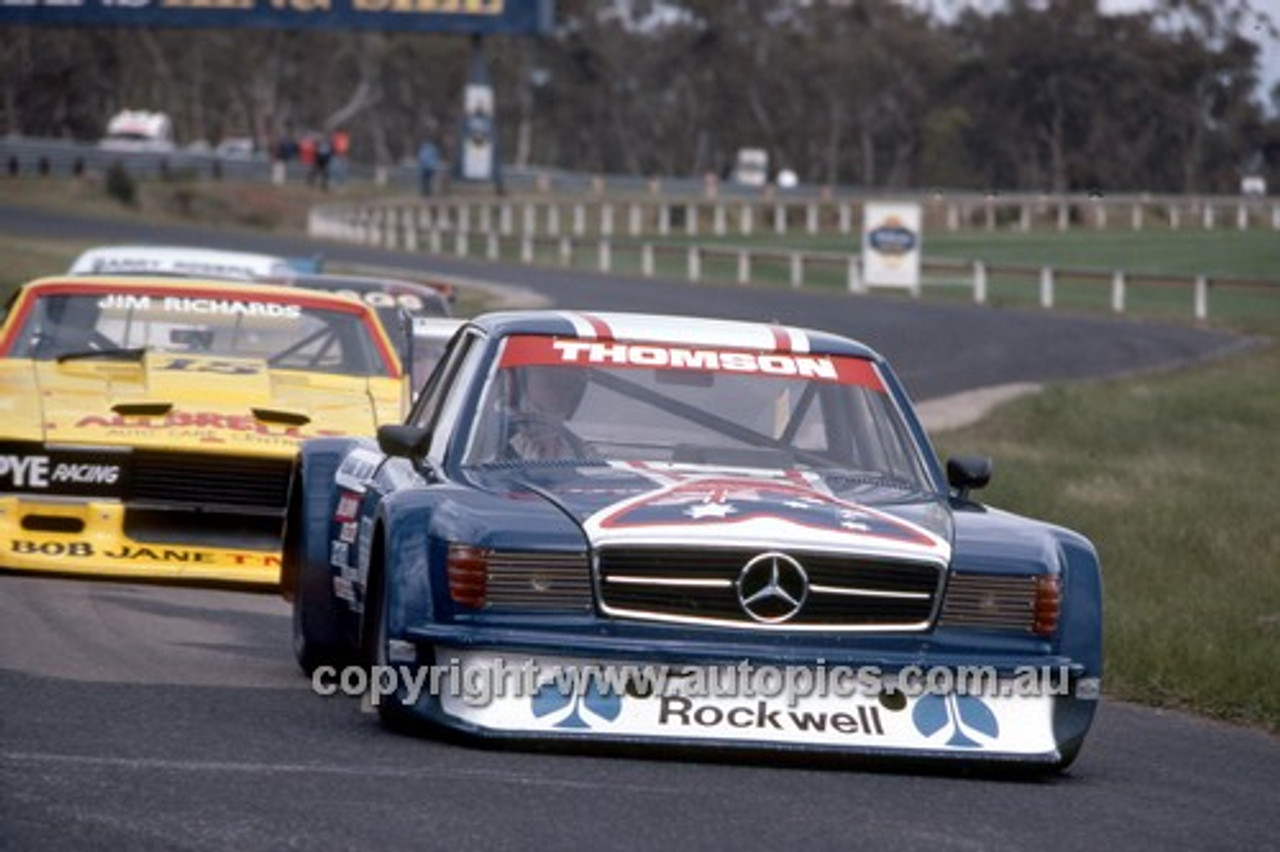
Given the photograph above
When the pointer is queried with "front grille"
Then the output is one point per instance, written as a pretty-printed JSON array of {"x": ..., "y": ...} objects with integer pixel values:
[
  {"x": 700, "y": 586},
  {"x": 202, "y": 499},
  {"x": 990, "y": 601},
  {"x": 536, "y": 581},
  {"x": 210, "y": 482}
]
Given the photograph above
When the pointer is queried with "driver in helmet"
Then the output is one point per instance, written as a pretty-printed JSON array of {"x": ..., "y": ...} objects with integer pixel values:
[{"x": 545, "y": 398}]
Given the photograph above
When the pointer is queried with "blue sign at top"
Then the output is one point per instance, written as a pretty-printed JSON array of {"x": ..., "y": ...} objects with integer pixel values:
[{"x": 484, "y": 17}]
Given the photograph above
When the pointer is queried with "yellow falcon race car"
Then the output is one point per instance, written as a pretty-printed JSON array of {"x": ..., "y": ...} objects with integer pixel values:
[{"x": 149, "y": 426}]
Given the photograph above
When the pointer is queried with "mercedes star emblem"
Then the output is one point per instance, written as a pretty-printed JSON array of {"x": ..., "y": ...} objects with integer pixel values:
[{"x": 772, "y": 587}]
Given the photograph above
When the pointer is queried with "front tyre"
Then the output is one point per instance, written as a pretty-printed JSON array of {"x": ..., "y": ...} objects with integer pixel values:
[
  {"x": 392, "y": 711},
  {"x": 317, "y": 636}
]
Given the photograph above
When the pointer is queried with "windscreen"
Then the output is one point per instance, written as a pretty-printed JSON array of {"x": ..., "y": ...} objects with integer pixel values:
[
  {"x": 286, "y": 334},
  {"x": 564, "y": 398}
]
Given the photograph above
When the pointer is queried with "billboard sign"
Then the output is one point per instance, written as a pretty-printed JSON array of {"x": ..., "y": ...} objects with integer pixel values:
[
  {"x": 482, "y": 17},
  {"x": 891, "y": 244},
  {"x": 477, "y": 137}
]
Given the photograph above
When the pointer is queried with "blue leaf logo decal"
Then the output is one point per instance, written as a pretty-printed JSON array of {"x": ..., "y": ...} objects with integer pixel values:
[
  {"x": 977, "y": 715},
  {"x": 550, "y": 699},
  {"x": 930, "y": 714},
  {"x": 607, "y": 707},
  {"x": 966, "y": 714}
]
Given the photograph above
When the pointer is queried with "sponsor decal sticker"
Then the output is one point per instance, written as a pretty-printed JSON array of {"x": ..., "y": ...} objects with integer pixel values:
[
  {"x": 525, "y": 350},
  {"x": 61, "y": 473},
  {"x": 245, "y": 423},
  {"x": 357, "y": 469},
  {"x": 339, "y": 554},
  {"x": 139, "y": 553},
  {"x": 348, "y": 507},
  {"x": 879, "y": 719},
  {"x": 200, "y": 306}
]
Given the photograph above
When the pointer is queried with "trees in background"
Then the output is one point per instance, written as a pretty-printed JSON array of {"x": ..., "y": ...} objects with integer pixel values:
[{"x": 1048, "y": 95}]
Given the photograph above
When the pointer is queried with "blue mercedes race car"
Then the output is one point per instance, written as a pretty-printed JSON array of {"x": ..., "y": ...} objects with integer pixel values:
[{"x": 659, "y": 530}]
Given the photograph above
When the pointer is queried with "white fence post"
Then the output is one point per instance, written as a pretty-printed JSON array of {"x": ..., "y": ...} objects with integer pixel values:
[
  {"x": 979, "y": 282},
  {"x": 1117, "y": 291},
  {"x": 744, "y": 266},
  {"x": 846, "y": 217},
  {"x": 718, "y": 222},
  {"x": 854, "y": 275},
  {"x": 811, "y": 218},
  {"x": 504, "y": 220},
  {"x": 606, "y": 220},
  {"x": 566, "y": 251},
  {"x": 1046, "y": 287},
  {"x": 493, "y": 249},
  {"x": 606, "y": 256},
  {"x": 553, "y": 219},
  {"x": 461, "y": 244},
  {"x": 797, "y": 269},
  {"x": 633, "y": 219},
  {"x": 664, "y": 219},
  {"x": 1202, "y": 297},
  {"x": 646, "y": 260},
  {"x": 526, "y": 249},
  {"x": 695, "y": 263},
  {"x": 691, "y": 219},
  {"x": 579, "y": 220},
  {"x": 747, "y": 223},
  {"x": 390, "y": 229}
]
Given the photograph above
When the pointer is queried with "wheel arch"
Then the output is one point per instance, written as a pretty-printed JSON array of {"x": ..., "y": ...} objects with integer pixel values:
[{"x": 311, "y": 495}]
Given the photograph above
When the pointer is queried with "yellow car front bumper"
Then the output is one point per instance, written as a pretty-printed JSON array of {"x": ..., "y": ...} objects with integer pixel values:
[{"x": 88, "y": 538}]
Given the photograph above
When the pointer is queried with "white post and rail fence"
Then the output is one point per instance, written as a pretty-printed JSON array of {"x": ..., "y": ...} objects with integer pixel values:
[{"x": 651, "y": 238}]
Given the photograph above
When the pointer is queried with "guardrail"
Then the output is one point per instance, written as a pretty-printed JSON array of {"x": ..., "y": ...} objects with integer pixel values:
[{"x": 613, "y": 239}]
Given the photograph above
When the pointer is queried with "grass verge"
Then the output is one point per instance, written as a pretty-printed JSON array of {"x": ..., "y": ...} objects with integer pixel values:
[{"x": 1173, "y": 476}]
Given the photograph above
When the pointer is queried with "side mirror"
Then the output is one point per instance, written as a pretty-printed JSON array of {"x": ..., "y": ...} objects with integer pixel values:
[
  {"x": 965, "y": 473},
  {"x": 403, "y": 441}
]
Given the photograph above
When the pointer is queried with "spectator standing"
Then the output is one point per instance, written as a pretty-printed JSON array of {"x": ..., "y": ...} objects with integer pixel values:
[
  {"x": 428, "y": 164},
  {"x": 341, "y": 149},
  {"x": 320, "y": 168},
  {"x": 307, "y": 153},
  {"x": 285, "y": 150}
]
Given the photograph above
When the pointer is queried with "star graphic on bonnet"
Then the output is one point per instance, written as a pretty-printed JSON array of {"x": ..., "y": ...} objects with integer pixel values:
[{"x": 710, "y": 510}]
